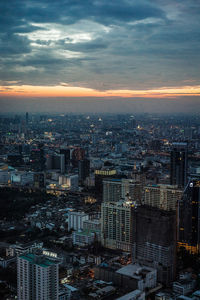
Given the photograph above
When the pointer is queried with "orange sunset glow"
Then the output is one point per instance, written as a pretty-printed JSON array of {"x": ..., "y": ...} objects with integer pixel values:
[{"x": 69, "y": 91}]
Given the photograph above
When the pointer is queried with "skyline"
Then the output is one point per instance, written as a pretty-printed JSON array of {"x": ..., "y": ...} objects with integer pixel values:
[{"x": 142, "y": 57}]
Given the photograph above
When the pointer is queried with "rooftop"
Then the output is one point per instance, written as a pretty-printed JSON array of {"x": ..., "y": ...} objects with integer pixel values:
[{"x": 39, "y": 260}]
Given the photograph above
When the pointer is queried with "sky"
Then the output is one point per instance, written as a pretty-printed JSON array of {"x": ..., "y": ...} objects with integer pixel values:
[{"x": 100, "y": 56}]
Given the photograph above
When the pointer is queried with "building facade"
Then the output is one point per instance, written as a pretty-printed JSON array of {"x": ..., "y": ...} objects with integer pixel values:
[
  {"x": 163, "y": 196},
  {"x": 112, "y": 190},
  {"x": 37, "y": 278},
  {"x": 154, "y": 240},
  {"x": 76, "y": 220},
  {"x": 189, "y": 217},
  {"x": 116, "y": 225},
  {"x": 179, "y": 164}
]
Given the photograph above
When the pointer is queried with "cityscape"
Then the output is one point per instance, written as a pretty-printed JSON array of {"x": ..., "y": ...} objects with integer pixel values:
[
  {"x": 99, "y": 150},
  {"x": 99, "y": 206}
]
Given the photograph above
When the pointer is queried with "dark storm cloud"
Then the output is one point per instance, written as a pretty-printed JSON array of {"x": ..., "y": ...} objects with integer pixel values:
[
  {"x": 127, "y": 43},
  {"x": 67, "y": 12}
]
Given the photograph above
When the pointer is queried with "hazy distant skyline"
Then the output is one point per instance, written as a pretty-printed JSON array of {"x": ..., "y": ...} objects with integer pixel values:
[{"x": 95, "y": 55}]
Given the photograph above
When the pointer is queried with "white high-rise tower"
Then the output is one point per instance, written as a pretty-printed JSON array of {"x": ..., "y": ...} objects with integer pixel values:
[{"x": 37, "y": 277}]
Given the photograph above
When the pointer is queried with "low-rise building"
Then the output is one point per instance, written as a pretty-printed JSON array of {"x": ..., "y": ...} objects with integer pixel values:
[{"x": 134, "y": 295}]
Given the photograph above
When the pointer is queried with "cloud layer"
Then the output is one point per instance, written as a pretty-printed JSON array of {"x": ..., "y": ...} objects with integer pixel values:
[{"x": 101, "y": 45}]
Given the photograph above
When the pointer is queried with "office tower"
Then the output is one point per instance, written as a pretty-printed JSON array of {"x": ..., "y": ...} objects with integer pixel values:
[
  {"x": 66, "y": 152},
  {"x": 77, "y": 154},
  {"x": 55, "y": 161},
  {"x": 179, "y": 164},
  {"x": 37, "y": 277},
  {"x": 62, "y": 163},
  {"x": 116, "y": 225},
  {"x": 112, "y": 190},
  {"x": 162, "y": 196},
  {"x": 100, "y": 175},
  {"x": 37, "y": 159},
  {"x": 154, "y": 240},
  {"x": 189, "y": 217},
  {"x": 83, "y": 169}
]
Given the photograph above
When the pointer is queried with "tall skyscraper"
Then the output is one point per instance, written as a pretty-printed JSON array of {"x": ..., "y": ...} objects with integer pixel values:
[
  {"x": 154, "y": 240},
  {"x": 66, "y": 152},
  {"x": 179, "y": 164},
  {"x": 189, "y": 217},
  {"x": 83, "y": 169},
  {"x": 37, "y": 277}
]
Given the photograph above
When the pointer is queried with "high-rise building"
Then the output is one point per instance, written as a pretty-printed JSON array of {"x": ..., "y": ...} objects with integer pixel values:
[
  {"x": 116, "y": 225},
  {"x": 189, "y": 217},
  {"x": 37, "y": 159},
  {"x": 179, "y": 164},
  {"x": 83, "y": 169},
  {"x": 66, "y": 152},
  {"x": 154, "y": 240},
  {"x": 163, "y": 196},
  {"x": 76, "y": 219},
  {"x": 55, "y": 161},
  {"x": 132, "y": 190},
  {"x": 100, "y": 175},
  {"x": 77, "y": 154},
  {"x": 112, "y": 190},
  {"x": 37, "y": 277},
  {"x": 115, "y": 189}
]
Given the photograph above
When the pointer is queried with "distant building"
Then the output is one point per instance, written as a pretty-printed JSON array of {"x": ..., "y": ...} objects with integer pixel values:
[
  {"x": 76, "y": 220},
  {"x": 83, "y": 169},
  {"x": 77, "y": 155},
  {"x": 66, "y": 153},
  {"x": 100, "y": 175},
  {"x": 37, "y": 277},
  {"x": 179, "y": 164},
  {"x": 39, "y": 180},
  {"x": 37, "y": 159},
  {"x": 55, "y": 161}
]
